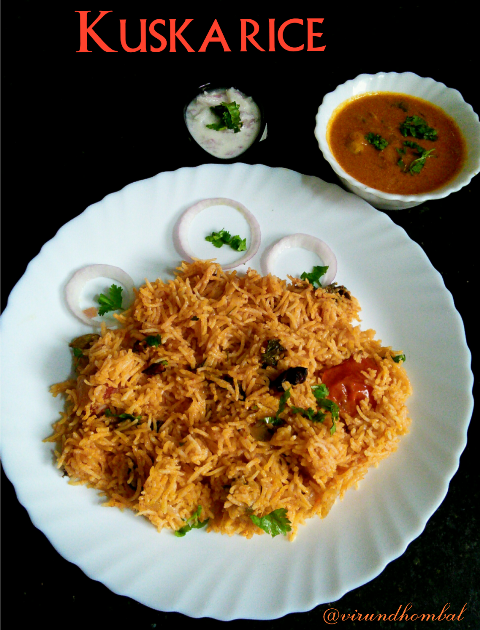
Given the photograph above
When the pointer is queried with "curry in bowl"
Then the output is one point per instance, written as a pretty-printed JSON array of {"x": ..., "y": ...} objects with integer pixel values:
[{"x": 396, "y": 143}]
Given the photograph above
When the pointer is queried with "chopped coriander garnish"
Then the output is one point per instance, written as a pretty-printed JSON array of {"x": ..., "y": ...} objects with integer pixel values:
[
  {"x": 378, "y": 142},
  {"x": 192, "y": 523},
  {"x": 417, "y": 128},
  {"x": 276, "y": 420},
  {"x": 218, "y": 239},
  {"x": 401, "y": 105},
  {"x": 321, "y": 392},
  {"x": 112, "y": 302},
  {"x": 77, "y": 353},
  {"x": 314, "y": 277},
  {"x": 399, "y": 357},
  {"x": 400, "y": 162},
  {"x": 238, "y": 244},
  {"x": 154, "y": 341},
  {"x": 311, "y": 414},
  {"x": 416, "y": 165},
  {"x": 229, "y": 114},
  {"x": 274, "y": 523},
  {"x": 283, "y": 402},
  {"x": 123, "y": 416}
]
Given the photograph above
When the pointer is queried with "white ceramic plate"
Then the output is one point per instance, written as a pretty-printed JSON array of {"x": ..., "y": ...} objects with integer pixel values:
[{"x": 210, "y": 575}]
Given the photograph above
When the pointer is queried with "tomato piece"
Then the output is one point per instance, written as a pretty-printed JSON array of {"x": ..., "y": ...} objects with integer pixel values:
[{"x": 346, "y": 383}]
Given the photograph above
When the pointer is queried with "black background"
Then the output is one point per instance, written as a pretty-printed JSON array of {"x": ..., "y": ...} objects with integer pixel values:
[{"x": 77, "y": 127}]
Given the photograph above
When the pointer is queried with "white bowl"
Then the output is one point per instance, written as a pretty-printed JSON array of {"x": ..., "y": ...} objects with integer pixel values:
[{"x": 451, "y": 101}]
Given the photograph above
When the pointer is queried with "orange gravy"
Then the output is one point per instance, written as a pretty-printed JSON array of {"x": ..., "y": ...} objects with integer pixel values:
[{"x": 390, "y": 169}]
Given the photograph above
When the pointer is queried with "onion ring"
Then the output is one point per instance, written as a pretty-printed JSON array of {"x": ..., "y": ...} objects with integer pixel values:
[
  {"x": 312, "y": 244},
  {"x": 180, "y": 234},
  {"x": 76, "y": 284}
]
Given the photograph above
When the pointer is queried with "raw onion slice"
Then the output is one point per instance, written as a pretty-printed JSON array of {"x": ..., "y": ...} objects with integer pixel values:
[
  {"x": 75, "y": 286},
  {"x": 306, "y": 241},
  {"x": 182, "y": 228}
]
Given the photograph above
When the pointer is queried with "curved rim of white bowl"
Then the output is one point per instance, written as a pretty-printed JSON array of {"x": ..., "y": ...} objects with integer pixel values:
[{"x": 334, "y": 99}]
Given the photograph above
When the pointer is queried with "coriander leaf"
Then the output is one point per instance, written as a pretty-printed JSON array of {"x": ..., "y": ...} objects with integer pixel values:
[
  {"x": 192, "y": 523},
  {"x": 313, "y": 416},
  {"x": 112, "y": 302},
  {"x": 238, "y": 244},
  {"x": 378, "y": 142},
  {"x": 274, "y": 523},
  {"x": 283, "y": 402},
  {"x": 273, "y": 420},
  {"x": 276, "y": 420},
  {"x": 154, "y": 341},
  {"x": 418, "y": 163},
  {"x": 417, "y": 128},
  {"x": 128, "y": 416},
  {"x": 77, "y": 353},
  {"x": 320, "y": 391},
  {"x": 414, "y": 145},
  {"x": 399, "y": 357},
  {"x": 331, "y": 406},
  {"x": 123, "y": 416},
  {"x": 314, "y": 277},
  {"x": 229, "y": 114},
  {"x": 401, "y": 105},
  {"x": 218, "y": 239}
]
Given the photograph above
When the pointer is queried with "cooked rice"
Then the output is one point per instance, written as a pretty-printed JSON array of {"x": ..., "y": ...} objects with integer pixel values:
[{"x": 194, "y": 437}]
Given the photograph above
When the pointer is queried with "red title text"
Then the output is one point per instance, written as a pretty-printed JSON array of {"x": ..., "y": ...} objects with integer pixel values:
[{"x": 173, "y": 35}]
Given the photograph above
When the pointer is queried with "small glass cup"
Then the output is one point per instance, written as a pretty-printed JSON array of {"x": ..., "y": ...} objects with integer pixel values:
[{"x": 225, "y": 145}]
